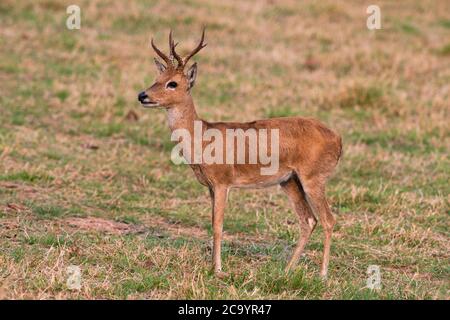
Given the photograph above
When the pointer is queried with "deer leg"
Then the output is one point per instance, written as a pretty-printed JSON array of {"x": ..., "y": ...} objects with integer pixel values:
[
  {"x": 295, "y": 193},
  {"x": 211, "y": 193},
  {"x": 315, "y": 194},
  {"x": 219, "y": 199}
]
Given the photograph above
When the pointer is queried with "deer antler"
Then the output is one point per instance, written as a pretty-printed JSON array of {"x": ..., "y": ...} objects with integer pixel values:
[
  {"x": 161, "y": 54},
  {"x": 181, "y": 61},
  {"x": 199, "y": 47},
  {"x": 172, "y": 46}
]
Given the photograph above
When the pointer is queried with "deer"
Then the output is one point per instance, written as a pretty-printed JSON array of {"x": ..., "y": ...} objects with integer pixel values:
[{"x": 308, "y": 155}]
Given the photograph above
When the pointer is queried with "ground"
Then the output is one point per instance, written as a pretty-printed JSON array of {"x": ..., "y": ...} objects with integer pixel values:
[{"x": 86, "y": 177}]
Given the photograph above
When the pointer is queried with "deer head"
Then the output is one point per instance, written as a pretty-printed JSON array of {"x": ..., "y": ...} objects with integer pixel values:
[{"x": 172, "y": 85}]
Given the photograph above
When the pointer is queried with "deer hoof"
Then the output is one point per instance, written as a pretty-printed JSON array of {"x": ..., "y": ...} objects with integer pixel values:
[{"x": 323, "y": 276}]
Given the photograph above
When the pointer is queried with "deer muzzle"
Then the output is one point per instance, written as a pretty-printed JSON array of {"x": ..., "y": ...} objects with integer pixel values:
[{"x": 145, "y": 100}]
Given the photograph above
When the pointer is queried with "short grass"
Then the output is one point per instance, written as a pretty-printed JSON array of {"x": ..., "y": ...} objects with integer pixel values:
[{"x": 69, "y": 148}]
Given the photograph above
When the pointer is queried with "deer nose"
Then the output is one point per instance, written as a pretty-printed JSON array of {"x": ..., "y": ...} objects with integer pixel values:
[{"x": 142, "y": 96}]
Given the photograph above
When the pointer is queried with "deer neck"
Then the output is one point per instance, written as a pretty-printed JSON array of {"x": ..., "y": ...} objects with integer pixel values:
[{"x": 182, "y": 116}]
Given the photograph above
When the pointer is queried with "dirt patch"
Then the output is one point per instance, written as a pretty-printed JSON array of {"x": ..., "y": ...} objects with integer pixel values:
[
  {"x": 103, "y": 225},
  {"x": 154, "y": 222},
  {"x": 177, "y": 229},
  {"x": 9, "y": 229}
]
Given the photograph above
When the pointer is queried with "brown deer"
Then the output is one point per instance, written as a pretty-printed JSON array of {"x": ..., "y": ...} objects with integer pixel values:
[{"x": 308, "y": 154}]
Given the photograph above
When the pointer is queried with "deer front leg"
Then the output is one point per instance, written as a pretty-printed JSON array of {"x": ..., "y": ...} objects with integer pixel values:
[{"x": 219, "y": 195}]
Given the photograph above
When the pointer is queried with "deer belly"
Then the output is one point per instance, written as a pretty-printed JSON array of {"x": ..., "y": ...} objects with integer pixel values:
[{"x": 261, "y": 181}]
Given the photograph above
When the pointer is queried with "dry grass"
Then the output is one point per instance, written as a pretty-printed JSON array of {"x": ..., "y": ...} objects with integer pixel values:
[{"x": 70, "y": 149}]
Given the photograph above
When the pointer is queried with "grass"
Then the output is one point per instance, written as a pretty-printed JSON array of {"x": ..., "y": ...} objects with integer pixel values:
[
  {"x": 409, "y": 28},
  {"x": 445, "y": 50},
  {"x": 69, "y": 149}
]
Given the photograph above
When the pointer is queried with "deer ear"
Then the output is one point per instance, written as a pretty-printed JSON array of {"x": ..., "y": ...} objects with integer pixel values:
[
  {"x": 161, "y": 68},
  {"x": 191, "y": 75}
]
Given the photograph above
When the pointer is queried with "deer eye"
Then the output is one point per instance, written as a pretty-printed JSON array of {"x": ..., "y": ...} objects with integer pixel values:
[{"x": 172, "y": 85}]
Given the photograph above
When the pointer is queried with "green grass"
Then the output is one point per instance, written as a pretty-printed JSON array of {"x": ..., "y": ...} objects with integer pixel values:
[
  {"x": 282, "y": 111},
  {"x": 445, "y": 23},
  {"x": 25, "y": 176},
  {"x": 47, "y": 211},
  {"x": 445, "y": 50},
  {"x": 62, "y": 95},
  {"x": 48, "y": 240},
  {"x": 409, "y": 28}
]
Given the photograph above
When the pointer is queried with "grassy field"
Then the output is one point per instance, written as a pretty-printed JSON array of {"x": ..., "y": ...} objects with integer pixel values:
[{"x": 86, "y": 177}]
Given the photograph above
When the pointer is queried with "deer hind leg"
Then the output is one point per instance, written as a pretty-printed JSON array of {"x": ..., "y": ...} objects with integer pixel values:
[
  {"x": 315, "y": 195},
  {"x": 296, "y": 195}
]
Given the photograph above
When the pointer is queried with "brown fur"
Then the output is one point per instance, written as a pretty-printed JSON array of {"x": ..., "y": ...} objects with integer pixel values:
[{"x": 308, "y": 155}]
